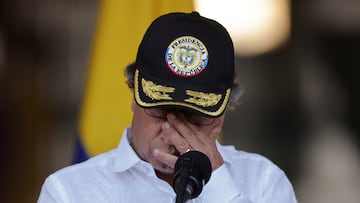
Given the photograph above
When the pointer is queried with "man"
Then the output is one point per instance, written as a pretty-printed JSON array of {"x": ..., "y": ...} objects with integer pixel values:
[{"x": 183, "y": 81}]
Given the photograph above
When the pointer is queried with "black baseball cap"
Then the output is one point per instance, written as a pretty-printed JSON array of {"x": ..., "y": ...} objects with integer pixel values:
[{"x": 185, "y": 61}]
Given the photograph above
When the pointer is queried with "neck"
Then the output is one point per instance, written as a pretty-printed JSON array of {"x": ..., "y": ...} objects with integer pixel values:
[{"x": 167, "y": 177}]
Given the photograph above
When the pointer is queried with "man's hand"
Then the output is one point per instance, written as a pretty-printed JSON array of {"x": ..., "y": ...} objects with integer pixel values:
[{"x": 185, "y": 136}]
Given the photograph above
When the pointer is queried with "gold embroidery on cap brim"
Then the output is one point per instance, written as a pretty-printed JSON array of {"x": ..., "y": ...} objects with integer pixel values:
[
  {"x": 156, "y": 92},
  {"x": 142, "y": 103},
  {"x": 203, "y": 99}
]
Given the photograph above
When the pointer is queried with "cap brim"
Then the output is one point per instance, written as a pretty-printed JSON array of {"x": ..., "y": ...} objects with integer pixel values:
[{"x": 151, "y": 92}]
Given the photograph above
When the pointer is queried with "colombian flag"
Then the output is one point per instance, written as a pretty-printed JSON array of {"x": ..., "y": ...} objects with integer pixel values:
[{"x": 106, "y": 107}]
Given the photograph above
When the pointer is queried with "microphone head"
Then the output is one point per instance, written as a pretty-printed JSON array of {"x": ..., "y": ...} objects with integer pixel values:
[{"x": 199, "y": 174}]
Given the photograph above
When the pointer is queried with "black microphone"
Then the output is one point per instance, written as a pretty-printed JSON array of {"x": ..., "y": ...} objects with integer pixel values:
[{"x": 192, "y": 171}]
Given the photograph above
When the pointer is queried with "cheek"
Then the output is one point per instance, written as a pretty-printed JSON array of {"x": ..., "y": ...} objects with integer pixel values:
[
  {"x": 142, "y": 126},
  {"x": 145, "y": 133},
  {"x": 142, "y": 137}
]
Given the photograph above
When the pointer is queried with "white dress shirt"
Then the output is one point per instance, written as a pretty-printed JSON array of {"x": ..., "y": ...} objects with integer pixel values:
[{"x": 120, "y": 176}]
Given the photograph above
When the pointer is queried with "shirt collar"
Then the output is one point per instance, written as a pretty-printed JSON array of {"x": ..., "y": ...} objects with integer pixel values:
[
  {"x": 125, "y": 155},
  {"x": 223, "y": 151}
]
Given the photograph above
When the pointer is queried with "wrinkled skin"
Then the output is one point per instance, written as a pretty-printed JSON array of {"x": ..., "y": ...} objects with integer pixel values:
[{"x": 161, "y": 141}]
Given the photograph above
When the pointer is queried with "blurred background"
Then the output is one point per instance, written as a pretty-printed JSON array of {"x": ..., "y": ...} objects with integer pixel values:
[{"x": 300, "y": 106}]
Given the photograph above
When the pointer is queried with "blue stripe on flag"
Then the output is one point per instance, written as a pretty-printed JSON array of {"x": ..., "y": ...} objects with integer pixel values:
[{"x": 80, "y": 154}]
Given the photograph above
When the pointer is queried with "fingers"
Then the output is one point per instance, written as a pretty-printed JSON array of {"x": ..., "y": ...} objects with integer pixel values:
[
  {"x": 196, "y": 137},
  {"x": 177, "y": 132},
  {"x": 180, "y": 143},
  {"x": 165, "y": 158},
  {"x": 185, "y": 136}
]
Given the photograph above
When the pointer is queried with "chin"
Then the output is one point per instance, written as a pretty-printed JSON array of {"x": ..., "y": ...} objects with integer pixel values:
[{"x": 162, "y": 168}]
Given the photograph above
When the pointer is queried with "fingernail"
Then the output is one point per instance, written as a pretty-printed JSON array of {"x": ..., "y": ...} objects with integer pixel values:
[{"x": 155, "y": 152}]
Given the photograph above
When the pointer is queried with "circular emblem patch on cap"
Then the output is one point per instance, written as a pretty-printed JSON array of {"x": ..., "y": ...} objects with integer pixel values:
[{"x": 186, "y": 56}]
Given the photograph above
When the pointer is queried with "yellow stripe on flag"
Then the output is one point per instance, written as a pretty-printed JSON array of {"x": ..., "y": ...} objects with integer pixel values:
[{"x": 106, "y": 108}]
